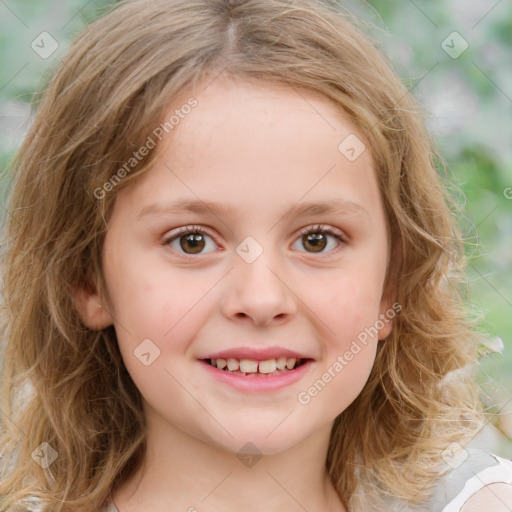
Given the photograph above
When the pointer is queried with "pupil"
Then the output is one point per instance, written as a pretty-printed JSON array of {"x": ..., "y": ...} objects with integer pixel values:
[
  {"x": 195, "y": 242},
  {"x": 316, "y": 240}
]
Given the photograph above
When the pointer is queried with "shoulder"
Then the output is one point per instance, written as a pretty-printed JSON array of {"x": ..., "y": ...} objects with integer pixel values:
[
  {"x": 488, "y": 487},
  {"x": 496, "y": 497}
]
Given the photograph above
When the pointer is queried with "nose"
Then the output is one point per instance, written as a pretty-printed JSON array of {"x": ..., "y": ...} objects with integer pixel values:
[{"x": 258, "y": 292}]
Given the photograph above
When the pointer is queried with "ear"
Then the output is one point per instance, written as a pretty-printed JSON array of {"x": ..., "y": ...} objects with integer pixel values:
[
  {"x": 92, "y": 311},
  {"x": 387, "y": 313}
]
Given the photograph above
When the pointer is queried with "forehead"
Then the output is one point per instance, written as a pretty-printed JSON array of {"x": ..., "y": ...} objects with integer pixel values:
[
  {"x": 256, "y": 144},
  {"x": 254, "y": 113}
]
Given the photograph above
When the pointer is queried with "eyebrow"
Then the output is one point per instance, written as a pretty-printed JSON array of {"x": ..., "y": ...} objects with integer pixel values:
[{"x": 334, "y": 206}]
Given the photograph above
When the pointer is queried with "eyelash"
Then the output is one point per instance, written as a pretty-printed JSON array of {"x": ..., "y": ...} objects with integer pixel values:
[
  {"x": 317, "y": 228},
  {"x": 321, "y": 228}
]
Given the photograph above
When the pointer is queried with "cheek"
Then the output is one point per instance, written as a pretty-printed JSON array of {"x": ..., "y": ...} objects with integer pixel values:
[
  {"x": 349, "y": 310},
  {"x": 168, "y": 309},
  {"x": 349, "y": 342},
  {"x": 150, "y": 298},
  {"x": 158, "y": 327},
  {"x": 344, "y": 377},
  {"x": 347, "y": 306}
]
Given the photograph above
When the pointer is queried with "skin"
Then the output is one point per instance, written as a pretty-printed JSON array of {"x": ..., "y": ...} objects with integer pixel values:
[
  {"x": 496, "y": 497},
  {"x": 259, "y": 148}
]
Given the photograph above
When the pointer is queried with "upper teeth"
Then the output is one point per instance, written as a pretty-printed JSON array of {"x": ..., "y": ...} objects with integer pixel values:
[{"x": 252, "y": 366}]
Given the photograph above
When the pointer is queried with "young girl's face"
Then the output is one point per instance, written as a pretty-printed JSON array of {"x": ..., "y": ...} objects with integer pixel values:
[{"x": 258, "y": 166}]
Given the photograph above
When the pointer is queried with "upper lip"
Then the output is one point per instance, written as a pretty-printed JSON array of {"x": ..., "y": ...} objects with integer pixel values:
[{"x": 256, "y": 353}]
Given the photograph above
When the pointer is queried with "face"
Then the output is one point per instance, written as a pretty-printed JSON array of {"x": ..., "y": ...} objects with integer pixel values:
[{"x": 255, "y": 239}]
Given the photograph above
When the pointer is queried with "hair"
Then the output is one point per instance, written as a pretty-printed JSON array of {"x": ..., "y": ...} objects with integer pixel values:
[{"x": 66, "y": 385}]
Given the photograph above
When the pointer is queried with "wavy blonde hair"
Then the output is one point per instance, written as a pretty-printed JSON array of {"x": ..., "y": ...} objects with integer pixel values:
[{"x": 66, "y": 385}]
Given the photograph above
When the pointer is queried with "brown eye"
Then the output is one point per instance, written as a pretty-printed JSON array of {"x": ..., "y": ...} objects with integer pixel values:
[
  {"x": 319, "y": 239},
  {"x": 190, "y": 241},
  {"x": 316, "y": 242}
]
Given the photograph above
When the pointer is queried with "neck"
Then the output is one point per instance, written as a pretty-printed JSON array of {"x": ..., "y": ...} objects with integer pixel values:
[{"x": 182, "y": 472}]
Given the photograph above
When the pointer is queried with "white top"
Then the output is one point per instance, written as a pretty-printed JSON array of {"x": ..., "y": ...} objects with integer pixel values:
[{"x": 500, "y": 472}]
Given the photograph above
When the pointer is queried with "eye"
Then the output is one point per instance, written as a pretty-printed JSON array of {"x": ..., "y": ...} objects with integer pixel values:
[
  {"x": 190, "y": 240},
  {"x": 316, "y": 238},
  {"x": 193, "y": 240}
]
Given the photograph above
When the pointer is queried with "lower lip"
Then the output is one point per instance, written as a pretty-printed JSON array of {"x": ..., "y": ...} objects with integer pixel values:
[{"x": 257, "y": 384}]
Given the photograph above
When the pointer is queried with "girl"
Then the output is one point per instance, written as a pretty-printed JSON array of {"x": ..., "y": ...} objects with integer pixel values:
[{"x": 231, "y": 277}]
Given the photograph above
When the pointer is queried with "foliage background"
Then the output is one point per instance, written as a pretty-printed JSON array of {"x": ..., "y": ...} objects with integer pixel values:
[{"x": 468, "y": 101}]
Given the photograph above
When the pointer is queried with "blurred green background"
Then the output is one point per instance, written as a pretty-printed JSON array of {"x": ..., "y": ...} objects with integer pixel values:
[{"x": 456, "y": 58}]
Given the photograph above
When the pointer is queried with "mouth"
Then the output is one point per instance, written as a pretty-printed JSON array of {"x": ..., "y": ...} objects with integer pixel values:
[{"x": 257, "y": 369}]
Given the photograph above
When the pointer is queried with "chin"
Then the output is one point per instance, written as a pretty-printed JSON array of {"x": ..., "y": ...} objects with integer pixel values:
[{"x": 264, "y": 440}]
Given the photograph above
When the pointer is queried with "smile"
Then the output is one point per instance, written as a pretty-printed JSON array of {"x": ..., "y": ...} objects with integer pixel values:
[
  {"x": 255, "y": 368},
  {"x": 256, "y": 377}
]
